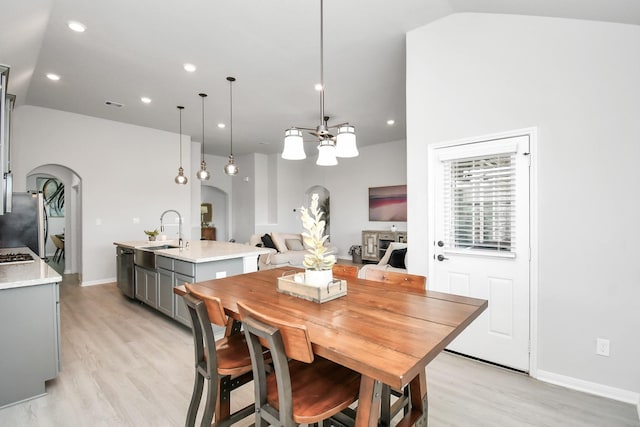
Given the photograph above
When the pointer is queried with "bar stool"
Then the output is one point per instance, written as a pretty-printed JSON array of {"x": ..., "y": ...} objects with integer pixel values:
[
  {"x": 225, "y": 364},
  {"x": 304, "y": 390}
]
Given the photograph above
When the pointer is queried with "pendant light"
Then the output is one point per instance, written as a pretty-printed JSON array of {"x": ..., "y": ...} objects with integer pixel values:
[
  {"x": 230, "y": 168},
  {"x": 343, "y": 144},
  {"x": 181, "y": 178},
  {"x": 203, "y": 174}
]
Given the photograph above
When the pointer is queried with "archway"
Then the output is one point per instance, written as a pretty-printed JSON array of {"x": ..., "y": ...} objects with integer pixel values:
[
  {"x": 220, "y": 215},
  {"x": 67, "y": 217}
]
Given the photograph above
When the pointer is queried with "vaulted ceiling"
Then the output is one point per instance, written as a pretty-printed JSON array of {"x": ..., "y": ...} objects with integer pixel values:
[{"x": 133, "y": 49}]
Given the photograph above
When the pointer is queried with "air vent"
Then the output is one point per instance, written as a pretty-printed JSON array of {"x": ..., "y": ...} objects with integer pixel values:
[{"x": 114, "y": 104}]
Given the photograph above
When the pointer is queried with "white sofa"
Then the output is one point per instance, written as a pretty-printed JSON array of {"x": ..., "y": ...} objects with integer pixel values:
[
  {"x": 383, "y": 264},
  {"x": 289, "y": 250}
]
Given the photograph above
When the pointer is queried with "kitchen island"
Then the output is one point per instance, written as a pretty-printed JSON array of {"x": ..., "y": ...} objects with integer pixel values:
[
  {"x": 159, "y": 266},
  {"x": 29, "y": 327}
]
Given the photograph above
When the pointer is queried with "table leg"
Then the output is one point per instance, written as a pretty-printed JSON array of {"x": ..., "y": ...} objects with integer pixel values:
[
  {"x": 419, "y": 414},
  {"x": 368, "y": 402}
]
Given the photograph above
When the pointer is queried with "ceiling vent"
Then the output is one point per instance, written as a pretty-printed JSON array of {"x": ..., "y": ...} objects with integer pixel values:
[{"x": 114, "y": 104}]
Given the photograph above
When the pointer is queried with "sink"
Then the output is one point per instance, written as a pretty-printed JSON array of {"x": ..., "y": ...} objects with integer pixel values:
[
  {"x": 160, "y": 247},
  {"x": 146, "y": 257}
]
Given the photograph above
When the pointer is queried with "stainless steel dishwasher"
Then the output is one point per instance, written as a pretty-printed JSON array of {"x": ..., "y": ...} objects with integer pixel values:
[{"x": 124, "y": 265}]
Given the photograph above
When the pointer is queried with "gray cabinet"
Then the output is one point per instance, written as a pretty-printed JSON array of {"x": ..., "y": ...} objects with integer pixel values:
[
  {"x": 165, "y": 292},
  {"x": 30, "y": 334},
  {"x": 181, "y": 314},
  {"x": 147, "y": 286}
]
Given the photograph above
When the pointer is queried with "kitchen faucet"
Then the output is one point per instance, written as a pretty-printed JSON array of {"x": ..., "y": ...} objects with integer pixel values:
[{"x": 179, "y": 224}]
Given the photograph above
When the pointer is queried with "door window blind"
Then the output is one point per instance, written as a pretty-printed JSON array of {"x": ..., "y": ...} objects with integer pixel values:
[{"x": 479, "y": 203}]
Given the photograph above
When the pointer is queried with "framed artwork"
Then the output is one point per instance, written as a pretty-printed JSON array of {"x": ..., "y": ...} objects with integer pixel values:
[
  {"x": 53, "y": 194},
  {"x": 388, "y": 203}
]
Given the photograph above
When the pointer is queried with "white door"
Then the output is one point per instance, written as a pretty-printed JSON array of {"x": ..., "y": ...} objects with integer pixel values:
[{"x": 481, "y": 242}]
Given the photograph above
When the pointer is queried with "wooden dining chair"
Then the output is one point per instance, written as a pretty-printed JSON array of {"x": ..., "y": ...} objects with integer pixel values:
[
  {"x": 345, "y": 271},
  {"x": 225, "y": 363},
  {"x": 303, "y": 390},
  {"x": 410, "y": 283},
  {"x": 59, "y": 244}
]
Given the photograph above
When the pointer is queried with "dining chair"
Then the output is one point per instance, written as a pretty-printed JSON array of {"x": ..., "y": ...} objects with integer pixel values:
[
  {"x": 59, "y": 244},
  {"x": 345, "y": 271},
  {"x": 303, "y": 388},
  {"x": 410, "y": 283},
  {"x": 225, "y": 363}
]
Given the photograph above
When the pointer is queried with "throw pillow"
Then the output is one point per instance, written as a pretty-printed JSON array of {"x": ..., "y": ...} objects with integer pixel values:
[
  {"x": 294, "y": 245},
  {"x": 397, "y": 258},
  {"x": 268, "y": 243}
]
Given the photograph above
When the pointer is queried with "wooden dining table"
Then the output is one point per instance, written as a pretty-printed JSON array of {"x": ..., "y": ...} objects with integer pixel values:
[{"x": 386, "y": 333}]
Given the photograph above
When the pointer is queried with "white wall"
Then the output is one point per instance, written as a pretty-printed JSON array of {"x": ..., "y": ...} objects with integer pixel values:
[
  {"x": 127, "y": 172},
  {"x": 577, "y": 81}
]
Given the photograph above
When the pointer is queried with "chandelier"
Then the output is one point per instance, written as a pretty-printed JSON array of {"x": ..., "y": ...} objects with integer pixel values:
[{"x": 342, "y": 144}]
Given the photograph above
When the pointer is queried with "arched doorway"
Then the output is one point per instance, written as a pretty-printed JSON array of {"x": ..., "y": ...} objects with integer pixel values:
[
  {"x": 220, "y": 214},
  {"x": 65, "y": 216}
]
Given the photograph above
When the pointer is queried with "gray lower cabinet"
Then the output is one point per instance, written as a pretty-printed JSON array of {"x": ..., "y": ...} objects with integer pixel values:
[
  {"x": 181, "y": 314},
  {"x": 165, "y": 292},
  {"x": 30, "y": 334},
  {"x": 155, "y": 287},
  {"x": 147, "y": 286}
]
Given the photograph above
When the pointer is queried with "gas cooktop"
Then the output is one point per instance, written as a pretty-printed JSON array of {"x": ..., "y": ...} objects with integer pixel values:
[{"x": 15, "y": 258}]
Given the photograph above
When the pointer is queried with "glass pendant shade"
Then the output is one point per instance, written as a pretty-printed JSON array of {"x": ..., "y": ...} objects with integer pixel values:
[
  {"x": 293, "y": 145},
  {"x": 180, "y": 178},
  {"x": 230, "y": 168},
  {"x": 326, "y": 154},
  {"x": 346, "y": 142},
  {"x": 203, "y": 174}
]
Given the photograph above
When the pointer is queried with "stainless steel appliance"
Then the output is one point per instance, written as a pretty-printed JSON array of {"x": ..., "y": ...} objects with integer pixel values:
[
  {"x": 124, "y": 266},
  {"x": 26, "y": 224}
]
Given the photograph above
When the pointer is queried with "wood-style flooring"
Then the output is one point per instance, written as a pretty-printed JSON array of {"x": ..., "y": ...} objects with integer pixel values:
[{"x": 126, "y": 365}]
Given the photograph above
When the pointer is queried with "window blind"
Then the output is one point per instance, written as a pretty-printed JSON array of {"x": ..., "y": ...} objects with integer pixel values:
[{"x": 479, "y": 203}]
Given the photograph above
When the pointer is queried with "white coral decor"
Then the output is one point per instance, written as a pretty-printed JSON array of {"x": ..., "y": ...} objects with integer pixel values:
[{"x": 318, "y": 257}]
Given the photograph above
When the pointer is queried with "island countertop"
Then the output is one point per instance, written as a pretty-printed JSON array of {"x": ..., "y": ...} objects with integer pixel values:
[
  {"x": 197, "y": 251},
  {"x": 36, "y": 272}
]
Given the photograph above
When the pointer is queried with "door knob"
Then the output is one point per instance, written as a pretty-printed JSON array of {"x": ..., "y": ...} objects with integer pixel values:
[
  {"x": 441, "y": 257},
  {"x": 440, "y": 243}
]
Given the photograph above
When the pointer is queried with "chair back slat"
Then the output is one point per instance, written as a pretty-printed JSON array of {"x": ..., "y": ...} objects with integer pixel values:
[
  {"x": 412, "y": 282},
  {"x": 295, "y": 338},
  {"x": 214, "y": 306},
  {"x": 345, "y": 271}
]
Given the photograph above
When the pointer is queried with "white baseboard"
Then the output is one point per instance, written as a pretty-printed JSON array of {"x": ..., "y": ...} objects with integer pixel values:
[
  {"x": 99, "y": 282},
  {"x": 590, "y": 387}
]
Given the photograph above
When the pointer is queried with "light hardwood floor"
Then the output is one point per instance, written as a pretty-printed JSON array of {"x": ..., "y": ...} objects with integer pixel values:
[{"x": 126, "y": 365}]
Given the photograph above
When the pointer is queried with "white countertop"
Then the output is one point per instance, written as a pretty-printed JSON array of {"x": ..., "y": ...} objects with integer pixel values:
[
  {"x": 33, "y": 273},
  {"x": 198, "y": 250}
]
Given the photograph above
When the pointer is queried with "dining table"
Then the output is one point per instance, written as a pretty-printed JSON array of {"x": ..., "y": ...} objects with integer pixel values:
[{"x": 386, "y": 333}]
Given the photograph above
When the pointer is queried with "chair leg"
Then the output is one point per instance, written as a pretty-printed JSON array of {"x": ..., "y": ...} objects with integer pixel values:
[
  {"x": 210, "y": 407},
  {"x": 195, "y": 400}
]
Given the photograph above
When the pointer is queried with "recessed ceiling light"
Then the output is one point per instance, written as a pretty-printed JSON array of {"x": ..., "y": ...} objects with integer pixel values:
[
  {"x": 76, "y": 26},
  {"x": 391, "y": 122},
  {"x": 53, "y": 77},
  {"x": 145, "y": 100},
  {"x": 318, "y": 87},
  {"x": 189, "y": 67},
  {"x": 221, "y": 125}
]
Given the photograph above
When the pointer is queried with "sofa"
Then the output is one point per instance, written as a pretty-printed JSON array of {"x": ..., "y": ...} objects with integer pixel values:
[
  {"x": 394, "y": 259},
  {"x": 286, "y": 249}
]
